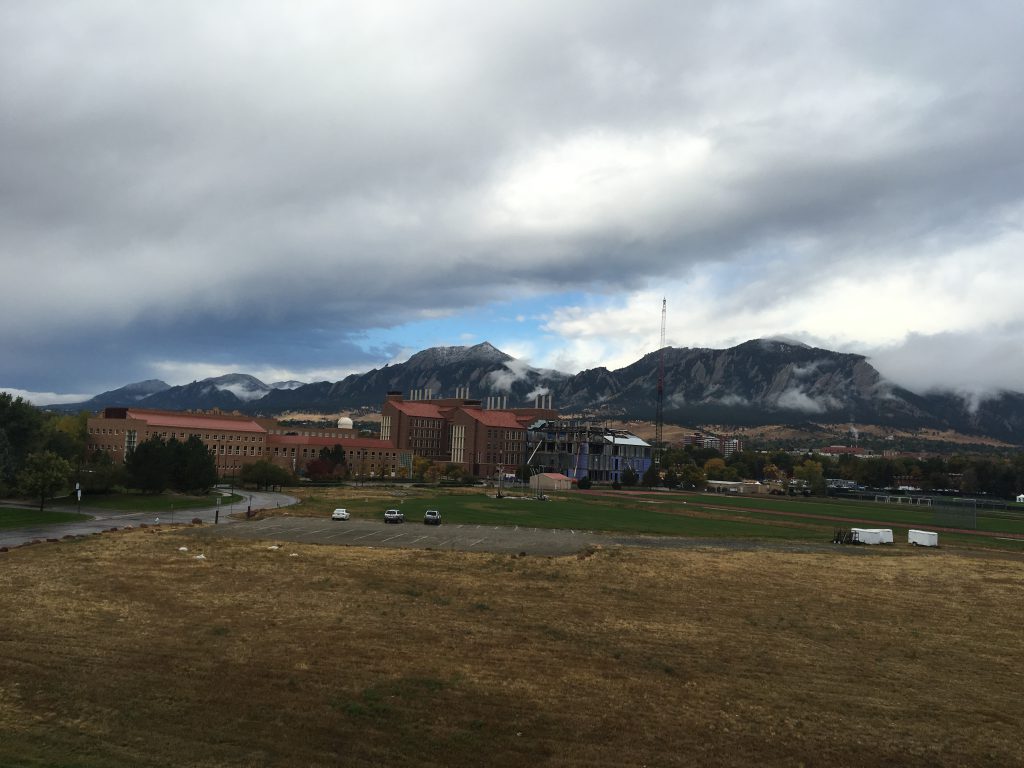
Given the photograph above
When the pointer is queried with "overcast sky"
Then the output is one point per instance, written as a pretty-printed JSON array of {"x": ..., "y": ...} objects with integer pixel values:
[{"x": 305, "y": 190}]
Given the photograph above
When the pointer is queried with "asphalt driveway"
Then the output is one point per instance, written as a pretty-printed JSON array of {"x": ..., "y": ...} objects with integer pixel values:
[{"x": 476, "y": 538}]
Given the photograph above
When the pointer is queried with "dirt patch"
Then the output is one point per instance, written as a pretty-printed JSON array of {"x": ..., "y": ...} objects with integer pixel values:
[{"x": 125, "y": 650}]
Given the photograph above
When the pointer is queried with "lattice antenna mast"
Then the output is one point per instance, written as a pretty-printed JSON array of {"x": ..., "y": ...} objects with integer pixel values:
[{"x": 659, "y": 415}]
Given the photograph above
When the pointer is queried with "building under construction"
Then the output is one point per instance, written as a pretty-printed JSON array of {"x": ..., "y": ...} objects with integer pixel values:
[{"x": 581, "y": 448}]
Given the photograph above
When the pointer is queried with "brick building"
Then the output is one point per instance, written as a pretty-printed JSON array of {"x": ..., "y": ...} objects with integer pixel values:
[
  {"x": 236, "y": 440},
  {"x": 459, "y": 431}
]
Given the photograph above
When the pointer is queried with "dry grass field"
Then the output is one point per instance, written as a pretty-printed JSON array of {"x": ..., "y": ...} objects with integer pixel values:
[{"x": 121, "y": 650}]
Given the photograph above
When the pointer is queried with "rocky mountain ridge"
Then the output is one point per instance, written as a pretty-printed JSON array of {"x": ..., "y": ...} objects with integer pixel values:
[{"x": 757, "y": 382}]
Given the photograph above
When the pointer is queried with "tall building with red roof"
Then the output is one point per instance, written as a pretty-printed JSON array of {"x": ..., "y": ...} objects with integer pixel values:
[{"x": 484, "y": 442}]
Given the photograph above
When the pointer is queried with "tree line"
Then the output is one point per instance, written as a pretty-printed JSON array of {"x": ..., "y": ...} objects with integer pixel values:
[
  {"x": 43, "y": 455},
  {"x": 997, "y": 476}
]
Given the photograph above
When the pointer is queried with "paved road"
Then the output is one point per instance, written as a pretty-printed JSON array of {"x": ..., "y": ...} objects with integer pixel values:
[{"x": 104, "y": 519}]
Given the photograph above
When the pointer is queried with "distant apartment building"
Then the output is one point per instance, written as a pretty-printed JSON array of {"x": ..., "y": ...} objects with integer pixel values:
[{"x": 724, "y": 445}]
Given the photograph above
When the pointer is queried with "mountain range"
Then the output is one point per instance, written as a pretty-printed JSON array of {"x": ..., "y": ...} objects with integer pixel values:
[{"x": 758, "y": 382}]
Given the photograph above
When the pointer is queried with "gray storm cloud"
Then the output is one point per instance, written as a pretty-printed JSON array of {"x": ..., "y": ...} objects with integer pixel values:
[{"x": 199, "y": 176}]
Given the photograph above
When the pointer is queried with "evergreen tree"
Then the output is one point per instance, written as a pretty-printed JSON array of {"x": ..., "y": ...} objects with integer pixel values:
[
  {"x": 651, "y": 476},
  {"x": 194, "y": 467},
  {"x": 148, "y": 467}
]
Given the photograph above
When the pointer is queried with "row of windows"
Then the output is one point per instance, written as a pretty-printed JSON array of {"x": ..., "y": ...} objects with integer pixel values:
[
  {"x": 239, "y": 450},
  {"x": 182, "y": 435},
  {"x": 517, "y": 435}
]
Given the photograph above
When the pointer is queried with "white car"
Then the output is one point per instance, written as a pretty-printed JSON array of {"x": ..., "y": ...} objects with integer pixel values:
[
  {"x": 340, "y": 514},
  {"x": 393, "y": 516}
]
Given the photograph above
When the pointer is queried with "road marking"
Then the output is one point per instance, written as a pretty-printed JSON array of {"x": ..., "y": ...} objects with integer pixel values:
[
  {"x": 474, "y": 543},
  {"x": 449, "y": 541},
  {"x": 389, "y": 538},
  {"x": 320, "y": 530},
  {"x": 337, "y": 535},
  {"x": 372, "y": 533},
  {"x": 421, "y": 538}
]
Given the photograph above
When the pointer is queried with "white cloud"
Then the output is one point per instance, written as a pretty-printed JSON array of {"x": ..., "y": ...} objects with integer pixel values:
[
  {"x": 514, "y": 370},
  {"x": 797, "y": 400},
  {"x": 599, "y": 181},
  {"x": 177, "y": 372},
  {"x": 44, "y": 398}
]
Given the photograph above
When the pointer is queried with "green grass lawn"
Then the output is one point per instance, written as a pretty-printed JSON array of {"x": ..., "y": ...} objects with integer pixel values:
[
  {"x": 620, "y": 514},
  {"x": 703, "y": 515},
  {"x": 11, "y": 517}
]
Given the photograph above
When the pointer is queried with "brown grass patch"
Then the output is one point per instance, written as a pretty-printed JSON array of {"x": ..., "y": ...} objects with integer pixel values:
[{"x": 123, "y": 651}]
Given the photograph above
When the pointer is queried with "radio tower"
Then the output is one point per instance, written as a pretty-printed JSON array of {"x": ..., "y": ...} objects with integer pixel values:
[{"x": 658, "y": 418}]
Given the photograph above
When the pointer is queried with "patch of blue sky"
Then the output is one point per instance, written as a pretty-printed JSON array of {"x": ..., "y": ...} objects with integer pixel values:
[{"x": 503, "y": 322}]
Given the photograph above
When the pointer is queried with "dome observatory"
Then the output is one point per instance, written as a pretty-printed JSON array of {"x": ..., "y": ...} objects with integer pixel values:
[{"x": 344, "y": 423}]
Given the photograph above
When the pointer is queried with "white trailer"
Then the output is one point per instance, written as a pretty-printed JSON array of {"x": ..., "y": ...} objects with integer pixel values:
[
  {"x": 873, "y": 535},
  {"x": 923, "y": 538}
]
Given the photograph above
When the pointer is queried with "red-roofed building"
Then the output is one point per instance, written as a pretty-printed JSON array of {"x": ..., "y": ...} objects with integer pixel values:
[
  {"x": 365, "y": 457},
  {"x": 235, "y": 440},
  {"x": 484, "y": 442},
  {"x": 459, "y": 431},
  {"x": 232, "y": 440}
]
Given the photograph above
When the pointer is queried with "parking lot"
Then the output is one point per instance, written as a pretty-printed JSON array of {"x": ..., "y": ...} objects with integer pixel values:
[
  {"x": 371, "y": 533},
  {"x": 478, "y": 538}
]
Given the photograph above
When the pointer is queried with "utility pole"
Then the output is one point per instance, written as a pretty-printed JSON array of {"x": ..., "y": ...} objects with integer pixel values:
[{"x": 659, "y": 415}]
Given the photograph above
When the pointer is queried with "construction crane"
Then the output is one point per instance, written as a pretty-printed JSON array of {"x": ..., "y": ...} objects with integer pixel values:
[{"x": 659, "y": 414}]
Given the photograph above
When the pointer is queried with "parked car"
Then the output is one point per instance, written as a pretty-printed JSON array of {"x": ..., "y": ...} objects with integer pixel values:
[
  {"x": 393, "y": 516},
  {"x": 431, "y": 517},
  {"x": 340, "y": 514}
]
